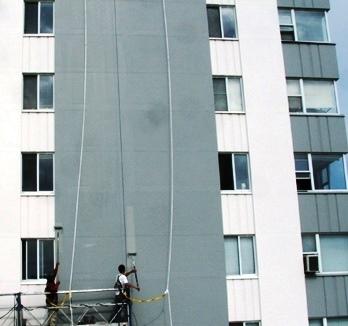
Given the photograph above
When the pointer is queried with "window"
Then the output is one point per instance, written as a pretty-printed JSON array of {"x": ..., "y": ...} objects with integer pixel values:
[
  {"x": 332, "y": 251},
  {"x": 320, "y": 172},
  {"x": 311, "y": 96},
  {"x": 253, "y": 323},
  {"x": 234, "y": 171},
  {"x": 315, "y": 322},
  {"x": 38, "y": 17},
  {"x": 37, "y": 92},
  {"x": 37, "y": 172},
  {"x": 228, "y": 94},
  {"x": 240, "y": 255},
  {"x": 37, "y": 258},
  {"x": 303, "y": 25},
  {"x": 221, "y": 22}
]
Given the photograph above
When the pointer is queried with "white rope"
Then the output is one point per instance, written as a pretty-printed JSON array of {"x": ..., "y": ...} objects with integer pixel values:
[
  {"x": 171, "y": 162},
  {"x": 81, "y": 155}
]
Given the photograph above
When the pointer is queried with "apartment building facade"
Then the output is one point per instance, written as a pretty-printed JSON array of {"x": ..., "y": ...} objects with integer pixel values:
[{"x": 104, "y": 100}]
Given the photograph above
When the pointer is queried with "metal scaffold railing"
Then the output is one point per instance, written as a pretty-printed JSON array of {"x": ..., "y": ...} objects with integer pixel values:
[{"x": 94, "y": 306}]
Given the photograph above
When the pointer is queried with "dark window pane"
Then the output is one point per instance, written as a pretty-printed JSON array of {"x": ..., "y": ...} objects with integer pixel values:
[
  {"x": 24, "y": 260},
  {"x": 228, "y": 22},
  {"x": 226, "y": 174},
  {"x": 241, "y": 171},
  {"x": 295, "y": 103},
  {"x": 236, "y": 324},
  {"x": 29, "y": 172},
  {"x": 301, "y": 162},
  {"x": 46, "y": 172},
  {"x": 46, "y": 260},
  {"x": 30, "y": 18},
  {"x": 220, "y": 96},
  {"x": 303, "y": 181},
  {"x": 46, "y": 91},
  {"x": 328, "y": 171},
  {"x": 287, "y": 36},
  {"x": 46, "y": 17},
  {"x": 214, "y": 22},
  {"x": 311, "y": 26},
  {"x": 30, "y": 92},
  {"x": 32, "y": 259}
]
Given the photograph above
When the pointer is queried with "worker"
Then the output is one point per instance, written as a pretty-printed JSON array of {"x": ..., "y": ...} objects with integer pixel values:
[
  {"x": 52, "y": 297},
  {"x": 122, "y": 294}
]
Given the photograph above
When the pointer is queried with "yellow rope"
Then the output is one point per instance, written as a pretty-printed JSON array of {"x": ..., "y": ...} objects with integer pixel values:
[{"x": 147, "y": 300}]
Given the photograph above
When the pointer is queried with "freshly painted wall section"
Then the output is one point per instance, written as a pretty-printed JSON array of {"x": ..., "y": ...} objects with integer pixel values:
[
  {"x": 127, "y": 89},
  {"x": 277, "y": 221},
  {"x": 326, "y": 212},
  {"x": 319, "y": 134},
  {"x": 306, "y": 60}
]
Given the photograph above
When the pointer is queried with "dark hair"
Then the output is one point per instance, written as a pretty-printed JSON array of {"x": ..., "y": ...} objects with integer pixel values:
[
  {"x": 121, "y": 268},
  {"x": 50, "y": 278}
]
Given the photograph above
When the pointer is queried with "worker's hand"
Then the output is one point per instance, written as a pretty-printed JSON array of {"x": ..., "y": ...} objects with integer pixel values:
[
  {"x": 57, "y": 264},
  {"x": 134, "y": 270},
  {"x": 138, "y": 288}
]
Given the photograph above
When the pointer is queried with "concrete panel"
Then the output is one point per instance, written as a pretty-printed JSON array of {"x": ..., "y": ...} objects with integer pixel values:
[
  {"x": 327, "y": 296},
  {"x": 220, "y": 2},
  {"x": 319, "y": 134},
  {"x": 126, "y": 163},
  {"x": 323, "y": 212},
  {"x": 231, "y": 132},
  {"x": 225, "y": 58},
  {"x": 308, "y": 60},
  {"x": 38, "y": 54},
  {"x": 37, "y": 216},
  {"x": 244, "y": 300},
  {"x": 310, "y": 4},
  {"x": 37, "y": 132},
  {"x": 237, "y": 214}
]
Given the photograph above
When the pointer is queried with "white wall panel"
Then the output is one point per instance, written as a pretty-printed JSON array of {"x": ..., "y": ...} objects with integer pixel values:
[
  {"x": 225, "y": 58},
  {"x": 37, "y": 216},
  {"x": 231, "y": 132},
  {"x": 38, "y": 131},
  {"x": 38, "y": 54},
  {"x": 237, "y": 214},
  {"x": 220, "y": 2},
  {"x": 243, "y": 300}
]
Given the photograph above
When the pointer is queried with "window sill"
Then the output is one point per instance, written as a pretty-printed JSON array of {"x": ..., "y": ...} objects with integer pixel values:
[
  {"x": 323, "y": 274},
  {"x": 50, "y": 35},
  {"x": 38, "y": 111},
  {"x": 309, "y": 42},
  {"x": 334, "y": 191},
  {"x": 230, "y": 112},
  {"x": 241, "y": 277},
  {"x": 235, "y": 192},
  {"x": 40, "y": 281},
  {"x": 223, "y": 39},
  {"x": 317, "y": 114},
  {"x": 37, "y": 194}
]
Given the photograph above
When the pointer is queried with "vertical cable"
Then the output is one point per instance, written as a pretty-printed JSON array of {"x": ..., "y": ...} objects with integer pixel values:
[
  {"x": 81, "y": 156},
  {"x": 170, "y": 102}
]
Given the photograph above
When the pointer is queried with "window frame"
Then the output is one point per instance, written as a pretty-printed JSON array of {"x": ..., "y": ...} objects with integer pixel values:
[
  {"x": 241, "y": 87},
  {"x": 294, "y": 24},
  {"x": 244, "y": 323},
  {"x": 38, "y": 279},
  {"x": 303, "y": 97},
  {"x": 320, "y": 258},
  {"x": 237, "y": 191},
  {"x": 38, "y": 109},
  {"x": 311, "y": 174},
  {"x": 38, "y": 34},
  {"x": 38, "y": 192},
  {"x": 220, "y": 6},
  {"x": 240, "y": 261}
]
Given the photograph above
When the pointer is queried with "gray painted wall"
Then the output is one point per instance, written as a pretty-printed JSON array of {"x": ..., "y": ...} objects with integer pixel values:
[
  {"x": 328, "y": 296},
  {"x": 134, "y": 83},
  {"x": 319, "y": 134},
  {"x": 323, "y": 212},
  {"x": 305, "y": 60},
  {"x": 318, "y": 4}
]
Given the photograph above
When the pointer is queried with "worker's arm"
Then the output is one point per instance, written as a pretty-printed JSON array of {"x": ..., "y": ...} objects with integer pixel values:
[
  {"x": 55, "y": 271},
  {"x": 131, "y": 286},
  {"x": 130, "y": 272}
]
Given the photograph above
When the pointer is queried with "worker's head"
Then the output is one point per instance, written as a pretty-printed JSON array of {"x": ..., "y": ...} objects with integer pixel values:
[{"x": 122, "y": 269}]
